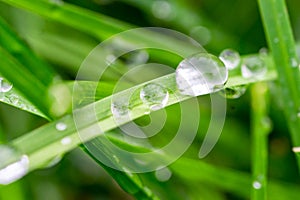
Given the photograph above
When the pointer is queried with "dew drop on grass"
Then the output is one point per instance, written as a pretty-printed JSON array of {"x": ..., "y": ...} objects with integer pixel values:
[
  {"x": 154, "y": 95},
  {"x": 233, "y": 92},
  {"x": 263, "y": 52},
  {"x": 256, "y": 185},
  {"x": 60, "y": 126},
  {"x": 253, "y": 66},
  {"x": 66, "y": 141},
  {"x": 230, "y": 58},
  {"x": 5, "y": 86},
  {"x": 14, "y": 165},
  {"x": 120, "y": 110},
  {"x": 163, "y": 174},
  {"x": 201, "y": 74}
]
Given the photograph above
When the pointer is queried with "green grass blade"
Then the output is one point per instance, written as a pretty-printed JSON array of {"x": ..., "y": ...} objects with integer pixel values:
[
  {"x": 44, "y": 143},
  {"x": 23, "y": 80},
  {"x": 17, "y": 48},
  {"x": 260, "y": 126},
  {"x": 281, "y": 42}
]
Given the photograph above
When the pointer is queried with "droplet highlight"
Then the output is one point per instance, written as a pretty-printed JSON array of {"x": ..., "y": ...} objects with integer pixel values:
[
  {"x": 163, "y": 174},
  {"x": 201, "y": 74},
  {"x": 13, "y": 166},
  {"x": 60, "y": 126},
  {"x": 253, "y": 67},
  {"x": 231, "y": 58},
  {"x": 256, "y": 185},
  {"x": 66, "y": 141},
  {"x": 154, "y": 95}
]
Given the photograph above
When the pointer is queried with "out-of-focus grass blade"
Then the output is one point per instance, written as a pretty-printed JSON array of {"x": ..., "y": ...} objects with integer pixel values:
[
  {"x": 281, "y": 42},
  {"x": 236, "y": 182},
  {"x": 260, "y": 128}
]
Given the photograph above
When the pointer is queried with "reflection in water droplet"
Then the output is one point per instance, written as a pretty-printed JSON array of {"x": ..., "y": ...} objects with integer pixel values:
[
  {"x": 154, "y": 95},
  {"x": 5, "y": 86},
  {"x": 66, "y": 141},
  {"x": 256, "y": 185},
  {"x": 162, "y": 10},
  {"x": 253, "y": 66},
  {"x": 201, "y": 74},
  {"x": 163, "y": 174},
  {"x": 60, "y": 126},
  {"x": 231, "y": 58},
  {"x": 13, "y": 165},
  {"x": 233, "y": 92}
]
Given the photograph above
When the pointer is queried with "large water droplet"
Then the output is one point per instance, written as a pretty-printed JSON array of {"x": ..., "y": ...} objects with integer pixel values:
[
  {"x": 256, "y": 185},
  {"x": 253, "y": 66},
  {"x": 231, "y": 58},
  {"x": 201, "y": 74},
  {"x": 13, "y": 166},
  {"x": 60, "y": 126},
  {"x": 154, "y": 95},
  {"x": 233, "y": 92},
  {"x": 5, "y": 86},
  {"x": 163, "y": 174}
]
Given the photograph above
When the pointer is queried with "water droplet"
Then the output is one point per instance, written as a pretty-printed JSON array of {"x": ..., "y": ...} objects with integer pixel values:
[
  {"x": 231, "y": 58},
  {"x": 154, "y": 95},
  {"x": 263, "y": 52},
  {"x": 233, "y": 92},
  {"x": 276, "y": 40},
  {"x": 256, "y": 185},
  {"x": 162, "y": 10},
  {"x": 66, "y": 141},
  {"x": 253, "y": 66},
  {"x": 14, "y": 99},
  {"x": 298, "y": 114},
  {"x": 60, "y": 126},
  {"x": 201, "y": 74},
  {"x": 163, "y": 174},
  {"x": 5, "y": 86},
  {"x": 294, "y": 62},
  {"x": 120, "y": 110},
  {"x": 13, "y": 166}
]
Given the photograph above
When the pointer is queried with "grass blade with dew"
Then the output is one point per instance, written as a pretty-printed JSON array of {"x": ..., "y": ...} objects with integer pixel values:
[{"x": 281, "y": 42}]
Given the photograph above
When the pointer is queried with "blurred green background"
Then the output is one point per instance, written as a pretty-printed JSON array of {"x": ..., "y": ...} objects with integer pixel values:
[{"x": 215, "y": 24}]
